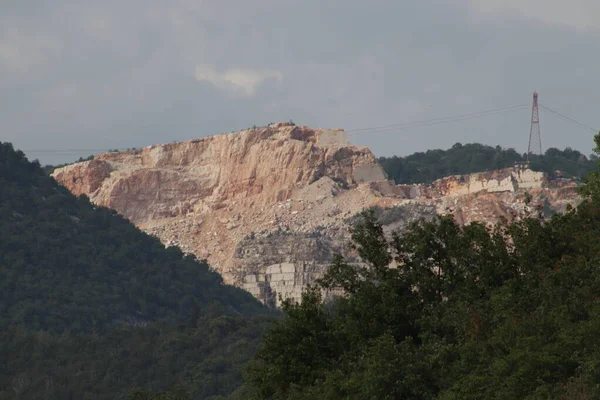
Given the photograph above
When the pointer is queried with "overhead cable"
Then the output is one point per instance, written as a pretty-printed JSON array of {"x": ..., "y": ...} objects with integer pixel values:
[{"x": 564, "y": 117}]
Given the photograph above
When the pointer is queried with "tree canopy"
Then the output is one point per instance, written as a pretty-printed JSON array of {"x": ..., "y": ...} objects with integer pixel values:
[
  {"x": 65, "y": 264},
  {"x": 91, "y": 307},
  {"x": 449, "y": 312},
  {"x": 425, "y": 167}
]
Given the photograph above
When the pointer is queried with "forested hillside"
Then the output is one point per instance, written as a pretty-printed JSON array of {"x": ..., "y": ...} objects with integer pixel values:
[
  {"x": 91, "y": 307},
  {"x": 94, "y": 309},
  {"x": 425, "y": 167},
  {"x": 466, "y": 313}
]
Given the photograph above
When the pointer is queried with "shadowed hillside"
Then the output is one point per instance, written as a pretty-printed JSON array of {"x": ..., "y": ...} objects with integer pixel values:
[{"x": 90, "y": 304}]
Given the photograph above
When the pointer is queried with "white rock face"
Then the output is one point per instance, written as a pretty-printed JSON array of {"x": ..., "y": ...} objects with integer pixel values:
[
  {"x": 507, "y": 180},
  {"x": 332, "y": 137},
  {"x": 284, "y": 280},
  {"x": 528, "y": 179}
]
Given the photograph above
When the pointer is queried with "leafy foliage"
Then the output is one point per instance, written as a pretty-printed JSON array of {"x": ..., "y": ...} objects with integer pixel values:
[
  {"x": 65, "y": 264},
  {"x": 425, "y": 167},
  {"x": 91, "y": 307},
  {"x": 203, "y": 358},
  {"x": 464, "y": 313}
]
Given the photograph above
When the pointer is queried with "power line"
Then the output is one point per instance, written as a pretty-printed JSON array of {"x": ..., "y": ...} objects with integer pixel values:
[
  {"x": 379, "y": 129},
  {"x": 436, "y": 121},
  {"x": 535, "y": 136},
  {"x": 564, "y": 117},
  {"x": 359, "y": 131}
]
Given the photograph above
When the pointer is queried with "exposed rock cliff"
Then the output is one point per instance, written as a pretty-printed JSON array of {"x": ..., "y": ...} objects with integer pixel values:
[
  {"x": 268, "y": 207},
  {"x": 208, "y": 194}
]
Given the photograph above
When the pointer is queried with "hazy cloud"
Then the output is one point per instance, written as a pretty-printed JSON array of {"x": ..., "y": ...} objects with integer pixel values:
[
  {"x": 93, "y": 76},
  {"x": 577, "y": 14},
  {"x": 20, "y": 52},
  {"x": 236, "y": 80}
]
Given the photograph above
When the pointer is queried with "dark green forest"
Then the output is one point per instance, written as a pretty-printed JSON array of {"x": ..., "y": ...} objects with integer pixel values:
[
  {"x": 510, "y": 312},
  {"x": 426, "y": 167},
  {"x": 91, "y": 307}
]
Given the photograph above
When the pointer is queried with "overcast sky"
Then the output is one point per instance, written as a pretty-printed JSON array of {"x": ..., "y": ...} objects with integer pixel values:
[{"x": 129, "y": 73}]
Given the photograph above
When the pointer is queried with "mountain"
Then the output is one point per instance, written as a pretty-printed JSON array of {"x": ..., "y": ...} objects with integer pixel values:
[
  {"x": 91, "y": 307},
  {"x": 268, "y": 207}
]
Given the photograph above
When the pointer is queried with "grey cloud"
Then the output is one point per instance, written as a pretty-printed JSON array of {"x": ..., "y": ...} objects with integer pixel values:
[
  {"x": 579, "y": 15},
  {"x": 124, "y": 74}
]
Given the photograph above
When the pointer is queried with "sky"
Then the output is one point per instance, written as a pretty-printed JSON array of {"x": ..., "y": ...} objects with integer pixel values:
[{"x": 77, "y": 78}]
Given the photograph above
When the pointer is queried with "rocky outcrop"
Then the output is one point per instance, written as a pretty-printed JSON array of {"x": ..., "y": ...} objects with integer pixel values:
[
  {"x": 504, "y": 180},
  {"x": 85, "y": 177},
  {"x": 252, "y": 168},
  {"x": 207, "y": 194},
  {"x": 268, "y": 207}
]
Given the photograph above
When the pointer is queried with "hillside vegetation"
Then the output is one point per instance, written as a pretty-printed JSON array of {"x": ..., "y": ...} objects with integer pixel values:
[
  {"x": 425, "y": 167},
  {"x": 91, "y": 307},
  {"x": 466, "y": 313}
]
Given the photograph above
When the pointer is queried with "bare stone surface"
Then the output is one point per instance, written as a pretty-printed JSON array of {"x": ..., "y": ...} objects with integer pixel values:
[
  {"x": 268, "y": 207},
  {"x": 85, "y": 177},
  {"x": 506, "y": 180}
]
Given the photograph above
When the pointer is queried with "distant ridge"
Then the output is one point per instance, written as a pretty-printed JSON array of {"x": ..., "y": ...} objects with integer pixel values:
[{"x": 426, "y": 167}]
